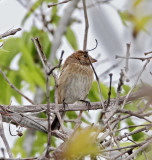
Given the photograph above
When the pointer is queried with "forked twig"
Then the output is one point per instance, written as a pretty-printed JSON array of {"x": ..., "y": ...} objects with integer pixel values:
[
  {"x": 125, "y": 100},
  {"x": 137, "y": 58},
  {"x": 84, "y": 48},
  {"x": 48, "y": 71}
]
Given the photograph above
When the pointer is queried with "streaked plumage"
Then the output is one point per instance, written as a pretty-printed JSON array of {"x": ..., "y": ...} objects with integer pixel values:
[{"x": 75, "y": 80}]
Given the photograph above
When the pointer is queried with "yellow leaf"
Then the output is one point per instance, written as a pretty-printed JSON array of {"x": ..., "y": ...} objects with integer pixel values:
[
  {"x": 137, "y": 2},
  {"x": 82, "y": 143}
]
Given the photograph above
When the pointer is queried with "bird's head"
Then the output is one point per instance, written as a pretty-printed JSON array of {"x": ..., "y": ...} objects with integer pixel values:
[{"x": 80, "y": 57}]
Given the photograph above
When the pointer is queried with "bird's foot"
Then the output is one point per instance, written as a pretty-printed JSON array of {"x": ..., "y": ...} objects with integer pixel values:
[
  {"x": 64, "y": 104},
  {"x": 87, "y": 103}
]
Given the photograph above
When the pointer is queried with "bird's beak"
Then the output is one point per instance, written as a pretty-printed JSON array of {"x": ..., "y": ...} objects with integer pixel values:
[{"x": 93, "y": 60}]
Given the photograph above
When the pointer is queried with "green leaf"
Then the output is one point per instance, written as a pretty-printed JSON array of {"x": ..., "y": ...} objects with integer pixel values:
[
  {"x": 35, "y": 77},
  {"x": 71, "y": 38},
  {"x": 136, "y": 3},
  {"x": 142, "y": 23},
  {"x": 85, "y": 121},
  {"x": 123, "y": 16},
  {"x": 15, "y": 79},
  {"x": 5, "y": 91},
  {"x": 39, "y": 143},
  {"x": 125, "y": 144},
  {"x": 126, "y": 88},
  {"x": 9, "y": 51},
  {"x": 146, "y": 151},
  {"x": 71, "y": 115},
  {"x": 94, "y": 93},
  {"x": 2, "y": 40},
  {"x": 137, "y": 136},
  {"x": 3, "y": 50}
]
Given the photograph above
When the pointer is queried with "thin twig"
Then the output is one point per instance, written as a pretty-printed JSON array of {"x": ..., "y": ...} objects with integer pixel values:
[
  {"x": 127, "y": 56},
  {"x": 55, "y": 4},
  {"x": 140, "y": 149},
  {"x": 59, "y": 64},
  {"x": 105, "y": 73},
  {"x": 109, "y": 93},
  {"x": 137, "y": 58},
  {"x": 56, "y": 103},
  {"x": 13, "y": 87},
  {"x": 9, "y": 33},
  {"x": 119, "y": 88},
  {"x": 96, "y": 3},
  {"x": 61, "y": 29},
  {"x": 125, "y": 100},
  {"x": 86, "y": 25},
  {"x": 97, "y": 79},
  {"x": 46, "y": 68},
  {"x": 132, "y": 114},
  {"x": 133, "y": 126},
  {"x": 146, "y": 53},
  {"x": 130, "y": 146},
  {"x": 48, "y": 71},
  {"x": 41, "y": 54},
  {"x": 48, "y": 114},
  {"x": 2, "y": 134}
]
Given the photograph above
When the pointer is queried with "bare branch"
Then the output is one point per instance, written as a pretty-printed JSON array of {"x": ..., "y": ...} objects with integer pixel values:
[
  {"x": 56, "y": 108},
  {"x": 127, "y": 56},
  {"x": 146, "y": 53},
  {"x": 57, "y": 66},
  {"x": 9, "y": 33},
  {"x": 134, "y": 84},
  {"x": 61, "y": 29},
  {"x": 41, "y": 54},
  {"x": 86, "y": 25},
  {"x": 137, "y": 58},
  {"x": 143, "y": 92},
  {"x": 4, "y": 138},
  {"x": 55, "y": 4},
  {"x": 109, "y": 93},
  {"x": 140, "y": 149}
]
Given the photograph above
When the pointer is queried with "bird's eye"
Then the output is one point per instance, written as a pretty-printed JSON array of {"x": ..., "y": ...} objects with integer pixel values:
[{"x": 85, "y": 56}]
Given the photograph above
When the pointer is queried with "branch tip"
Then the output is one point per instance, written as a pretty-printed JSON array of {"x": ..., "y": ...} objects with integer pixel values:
[{"x": 94, "y": 47}]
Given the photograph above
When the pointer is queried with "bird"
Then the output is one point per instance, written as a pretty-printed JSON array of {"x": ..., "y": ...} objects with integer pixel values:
[{"x": 75, "y": 81}]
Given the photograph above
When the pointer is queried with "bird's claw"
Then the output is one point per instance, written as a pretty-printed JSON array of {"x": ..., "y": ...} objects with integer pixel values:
[
  {"x": 87, "y": 103},
  {"x": 64, "y": 103}
]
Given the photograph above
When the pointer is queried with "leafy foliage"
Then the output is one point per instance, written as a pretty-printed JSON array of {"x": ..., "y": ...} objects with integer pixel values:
[
  {"x": 139, "y": 22},
  {"x": 29, "y": 72}
]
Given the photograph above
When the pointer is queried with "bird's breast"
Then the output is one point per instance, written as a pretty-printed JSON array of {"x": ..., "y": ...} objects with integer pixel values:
[{"x": 77, "y": 83}]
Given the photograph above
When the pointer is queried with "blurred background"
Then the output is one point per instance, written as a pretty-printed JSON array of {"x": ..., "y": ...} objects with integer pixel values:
[{"x": 112, "y": 22}]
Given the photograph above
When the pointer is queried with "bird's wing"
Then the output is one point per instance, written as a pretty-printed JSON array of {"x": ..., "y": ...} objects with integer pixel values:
[
  {"x": 74, "y": 80},
  {"x": 63, "y": 82}
]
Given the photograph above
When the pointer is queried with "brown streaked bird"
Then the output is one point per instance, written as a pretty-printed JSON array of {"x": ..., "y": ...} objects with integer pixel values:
[{"x": 75, "y": 80}]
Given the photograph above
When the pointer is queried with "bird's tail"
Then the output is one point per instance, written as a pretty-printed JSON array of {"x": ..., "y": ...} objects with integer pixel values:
[{"x": 56, "y": 124}]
